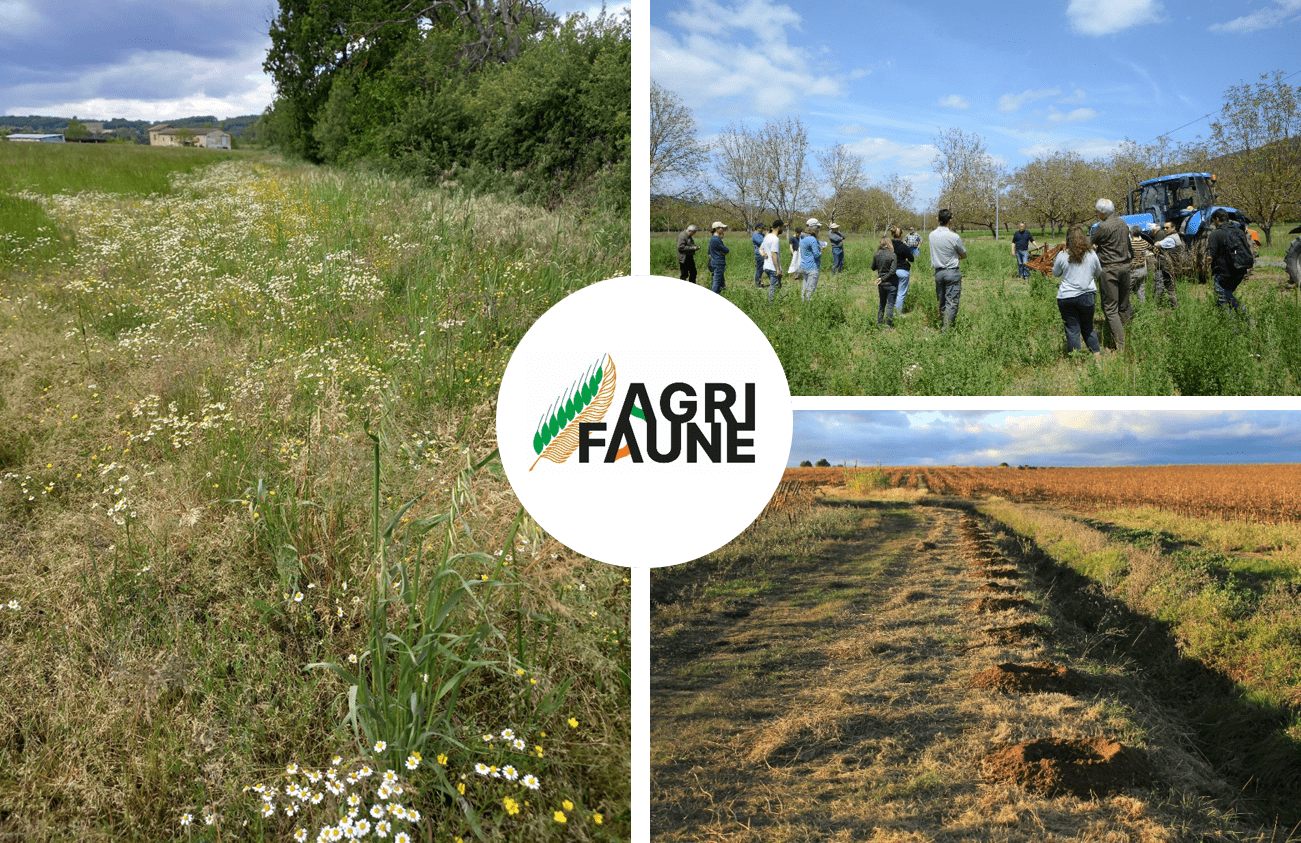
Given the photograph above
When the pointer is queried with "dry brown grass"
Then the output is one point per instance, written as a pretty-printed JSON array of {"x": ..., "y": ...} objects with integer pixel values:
[{"x": 866, "y": 728}]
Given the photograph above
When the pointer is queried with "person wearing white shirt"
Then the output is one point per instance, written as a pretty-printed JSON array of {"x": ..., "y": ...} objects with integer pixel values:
[
  {"x": 1077, "y": 295},
  {"x": 947, "y": 250},
  {"x": 770, "y": 251}
]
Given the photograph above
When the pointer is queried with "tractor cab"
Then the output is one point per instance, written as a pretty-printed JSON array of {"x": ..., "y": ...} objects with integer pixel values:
[
  {"x": 1186, "y": 199},
  {"x": 1171, "y": 198}
]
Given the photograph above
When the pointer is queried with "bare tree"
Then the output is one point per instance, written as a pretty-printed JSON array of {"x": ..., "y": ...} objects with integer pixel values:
[
  {"x": 763, "y": 171},
  {"x": 1258, "y": 141},
  {"x": 674, "y": 149},
  {"x": 787, "y": 180},
  {"x": 900, "y": 191},
  {"x": 969, "y": 178},
  {"x": 841, "y": 170},
  {"x": 738, "y": 161}
]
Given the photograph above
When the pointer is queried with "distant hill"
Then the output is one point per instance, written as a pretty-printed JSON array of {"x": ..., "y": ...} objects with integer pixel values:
[{"x": 132, "y": 130}]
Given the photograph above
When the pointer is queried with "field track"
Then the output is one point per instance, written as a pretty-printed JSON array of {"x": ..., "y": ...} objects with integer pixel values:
[{"x": 856, "y": 694}]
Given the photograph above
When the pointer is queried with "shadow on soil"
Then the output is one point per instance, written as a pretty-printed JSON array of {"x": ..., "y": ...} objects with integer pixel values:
[{"x": 1244, "y": 740}]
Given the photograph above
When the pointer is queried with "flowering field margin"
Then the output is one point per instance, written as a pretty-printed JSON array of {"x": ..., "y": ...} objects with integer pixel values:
[{"x": 189, "y": 499}]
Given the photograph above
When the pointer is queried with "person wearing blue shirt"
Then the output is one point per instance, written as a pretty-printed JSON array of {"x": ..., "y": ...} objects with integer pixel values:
[
  {"x": 718, "y": 256},
  {"x": 1022, "y": 241},
  {"x": 810, "y": 257},
  {"x": 757, "y": 239}
]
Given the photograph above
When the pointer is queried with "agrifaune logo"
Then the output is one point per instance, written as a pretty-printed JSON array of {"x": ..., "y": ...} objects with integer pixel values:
[
  {"x": 678, "y": 431},
  {"x": 648, "y": 439}
]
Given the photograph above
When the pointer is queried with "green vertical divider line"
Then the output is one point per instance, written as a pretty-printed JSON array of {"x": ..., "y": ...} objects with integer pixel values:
[{"x": 640, "y": 266}]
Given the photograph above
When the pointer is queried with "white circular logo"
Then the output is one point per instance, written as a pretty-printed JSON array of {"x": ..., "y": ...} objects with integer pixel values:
[{"x": 644, "y": 421}]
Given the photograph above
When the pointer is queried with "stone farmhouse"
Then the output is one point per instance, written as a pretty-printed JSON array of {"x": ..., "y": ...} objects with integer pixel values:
[{"x": 164, "y": 135}]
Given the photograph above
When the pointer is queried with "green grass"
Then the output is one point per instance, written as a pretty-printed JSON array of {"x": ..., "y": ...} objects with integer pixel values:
[
  {"x": 109, "y": 168},
  {"x": 245, "y": 433},
  {"x": 1009, "y": 337}
]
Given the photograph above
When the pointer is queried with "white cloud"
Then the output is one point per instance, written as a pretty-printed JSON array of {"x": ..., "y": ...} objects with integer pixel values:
[
  {"x": 703, "y": 69},
  {"x": 1281, "y": 12},
  {"x": 1087, "y": 148},
  {"x": 1011, "y": 102},
  {"x": 1107, "y": 17},
  {"x": 1074, "y": 96},
  {"x": 954, "y": 101},
  {"x": 765, "y": 20},
  {"x": 193, "y": 77},
  {"x": 878, "y": 150},
  {"x": 1074, "y": 116},
  {"x": 17, "y": 17}
]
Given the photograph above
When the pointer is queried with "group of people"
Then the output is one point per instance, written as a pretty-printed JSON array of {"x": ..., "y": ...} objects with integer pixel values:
[
  {"x": 1093, "y": 262},
  {"x": 1104, "y": 260},
  {"x": 805, "y": 259},
  {"x": 804, "y": 246}
]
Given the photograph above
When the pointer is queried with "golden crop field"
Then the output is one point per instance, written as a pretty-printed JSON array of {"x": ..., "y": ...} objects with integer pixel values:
[{"x": 1265, "y": 493}]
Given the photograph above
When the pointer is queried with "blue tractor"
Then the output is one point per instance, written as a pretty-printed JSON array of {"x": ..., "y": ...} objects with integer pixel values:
[{"x": 1187, "y": 200}]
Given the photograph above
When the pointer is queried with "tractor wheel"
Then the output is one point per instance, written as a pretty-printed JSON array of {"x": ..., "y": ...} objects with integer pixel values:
[{"x": 1292, "y": 260}]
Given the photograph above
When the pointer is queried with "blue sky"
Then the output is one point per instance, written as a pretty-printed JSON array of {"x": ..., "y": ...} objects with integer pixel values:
[
  {"x": 146, "y": 59},
  {"x": 1058, "y": 438},
  {"x": 884, "y": 78}
]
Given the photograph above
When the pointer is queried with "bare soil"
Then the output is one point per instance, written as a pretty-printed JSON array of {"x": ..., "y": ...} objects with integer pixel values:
[{"x": 841, "y": 700}]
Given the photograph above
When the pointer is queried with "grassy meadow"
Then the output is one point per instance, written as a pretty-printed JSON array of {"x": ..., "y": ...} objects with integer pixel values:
[
  {"x": 261, "y": 576},
  {"x": 1009, "y": 338}
]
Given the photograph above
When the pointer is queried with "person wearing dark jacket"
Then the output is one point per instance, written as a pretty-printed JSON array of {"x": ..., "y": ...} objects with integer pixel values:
[
  {"x": 718, "y": 257},
  {"x": 904, "y": 254},
  {"x": 1111, "y": 238},
  {"x": 1219, "y": 246},
  {"x": 687, "y": 249},
  {"x": 837, "y": 241},
  {"x": 884, "y": 263}
]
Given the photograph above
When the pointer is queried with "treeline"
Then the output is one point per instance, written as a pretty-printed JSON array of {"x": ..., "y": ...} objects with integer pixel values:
[
  {"x": 243, "y": 128},
  {"x": 747, "y": 174},
  {"x": 487, "y": 95}
]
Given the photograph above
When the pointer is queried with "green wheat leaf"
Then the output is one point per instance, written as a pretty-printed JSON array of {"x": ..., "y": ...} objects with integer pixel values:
[{"x": 587, "y": 400}]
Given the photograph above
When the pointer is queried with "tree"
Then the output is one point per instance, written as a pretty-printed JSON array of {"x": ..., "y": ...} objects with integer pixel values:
[
  {"x": 674, "y": 150},
  {"x": 900, "y": 191},
  {"x": 76, "y": 130},
  {"x": 1056, "y": 188},
  {"x": 1258, "y": 139},
  {"x": 841, "y": 170},
  {"x": 806, "y": 464},
  {"x": 822, "y": 463},
  {"x": 738, "y": 161},
  {"x": 763, "y": 171},
  {"x": 969, "y": 178},
  {"x": 785, "y": 182}
]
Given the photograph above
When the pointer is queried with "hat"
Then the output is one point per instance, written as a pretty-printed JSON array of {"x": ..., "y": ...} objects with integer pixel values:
[
  {"x": 813, "y": 223},
  {"x": 834, "y": 225},
  {"x": 692, "y": 228},
  {"x": 717, "y": 225}
]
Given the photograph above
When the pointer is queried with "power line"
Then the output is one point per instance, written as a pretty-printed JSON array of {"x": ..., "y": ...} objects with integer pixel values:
[{"x": 1208, "y": 114}]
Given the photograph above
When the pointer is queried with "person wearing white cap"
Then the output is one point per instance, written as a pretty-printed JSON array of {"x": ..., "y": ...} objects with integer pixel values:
[
  {"x": 837, "y": 241},
  {"x": 810, "y": 257},
  {"x": 718, "y": 257},
  {"x": 687, "y": 249}
]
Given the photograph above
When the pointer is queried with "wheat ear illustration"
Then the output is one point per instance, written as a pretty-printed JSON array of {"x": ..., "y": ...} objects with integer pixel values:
[{"x": 587, "y": 400}]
